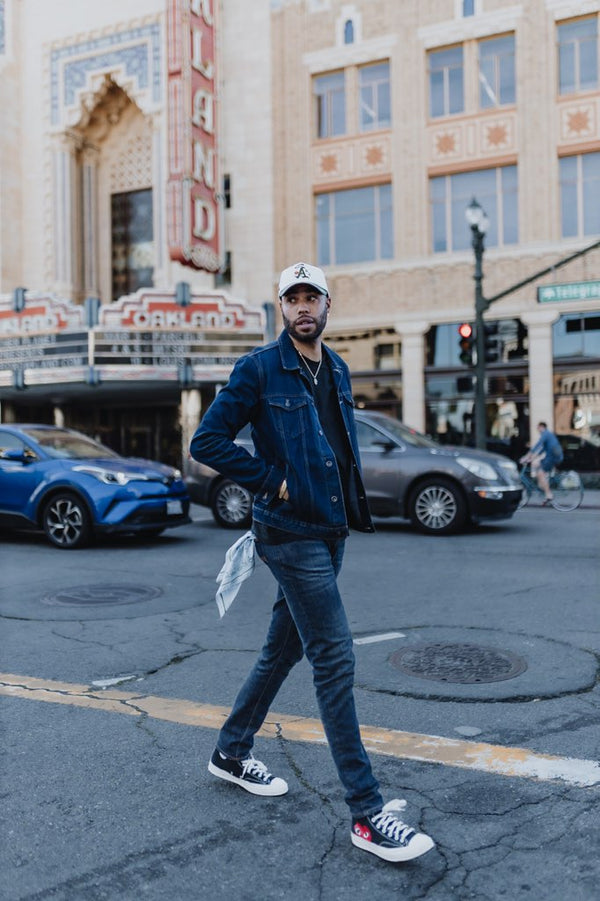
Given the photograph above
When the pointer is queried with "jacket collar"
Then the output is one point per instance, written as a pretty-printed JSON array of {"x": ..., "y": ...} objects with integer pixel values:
[{"x": 289, "y": 355}]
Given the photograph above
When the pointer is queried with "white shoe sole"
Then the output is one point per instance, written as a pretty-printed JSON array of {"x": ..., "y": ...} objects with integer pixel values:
[
  {"x": 418, "y": 846},
  {"x": 276, "y": 787}
]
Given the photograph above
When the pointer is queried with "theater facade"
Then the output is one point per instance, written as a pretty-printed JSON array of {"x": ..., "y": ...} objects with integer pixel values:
[{"x": 162, "y": 160}]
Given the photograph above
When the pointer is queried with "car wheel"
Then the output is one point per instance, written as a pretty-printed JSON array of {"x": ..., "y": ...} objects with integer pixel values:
[
  {"x": 437, "y": 507},
  {"x": 232, "y": 506},
  {"x": 66, "y": 521}
]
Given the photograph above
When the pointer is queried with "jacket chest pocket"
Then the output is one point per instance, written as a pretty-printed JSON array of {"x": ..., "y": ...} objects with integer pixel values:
[{"x": 290, "y": 415}]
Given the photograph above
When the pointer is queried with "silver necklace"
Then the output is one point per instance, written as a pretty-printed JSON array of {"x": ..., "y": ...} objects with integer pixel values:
[{"x": 312, "y": 374}]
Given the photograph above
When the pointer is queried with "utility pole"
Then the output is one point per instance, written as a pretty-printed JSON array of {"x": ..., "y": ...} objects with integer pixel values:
[{"x": 479, "y": 223}]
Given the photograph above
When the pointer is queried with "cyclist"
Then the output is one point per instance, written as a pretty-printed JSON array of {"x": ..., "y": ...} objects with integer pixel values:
[{"x": 545, "y": 454}]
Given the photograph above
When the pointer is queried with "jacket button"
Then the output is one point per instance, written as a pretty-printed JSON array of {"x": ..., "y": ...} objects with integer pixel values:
[
  {"x": 334, "y": 499},
  {"x": 328, "y": 463}
]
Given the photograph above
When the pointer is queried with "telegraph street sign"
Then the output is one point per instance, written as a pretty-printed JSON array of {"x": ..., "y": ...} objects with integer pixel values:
[{"x": 569, "y": 291}]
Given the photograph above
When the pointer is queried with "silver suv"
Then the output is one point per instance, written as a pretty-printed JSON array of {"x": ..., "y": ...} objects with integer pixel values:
[{"x": 406, "y": 474}]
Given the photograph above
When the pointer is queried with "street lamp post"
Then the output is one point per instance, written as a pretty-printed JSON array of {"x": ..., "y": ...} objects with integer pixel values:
[{"x": 479, "y": 222}]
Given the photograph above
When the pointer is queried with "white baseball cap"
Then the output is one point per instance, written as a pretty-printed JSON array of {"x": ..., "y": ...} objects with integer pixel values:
[{"x": 302, "y": 274}]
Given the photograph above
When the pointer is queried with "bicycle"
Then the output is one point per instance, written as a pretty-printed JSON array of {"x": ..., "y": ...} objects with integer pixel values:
[{"x": 566, "y": 488}]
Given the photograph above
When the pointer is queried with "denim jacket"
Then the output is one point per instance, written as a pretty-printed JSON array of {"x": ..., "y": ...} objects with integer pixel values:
[{"x": 268, "y": 389}]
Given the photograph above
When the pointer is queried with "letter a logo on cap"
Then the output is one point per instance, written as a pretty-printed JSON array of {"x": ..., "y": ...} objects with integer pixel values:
[{"x": 302, "y": 274}]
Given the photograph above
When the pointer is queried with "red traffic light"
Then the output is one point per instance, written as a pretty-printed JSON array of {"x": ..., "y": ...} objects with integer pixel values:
[{"x": 465, "y": 330}]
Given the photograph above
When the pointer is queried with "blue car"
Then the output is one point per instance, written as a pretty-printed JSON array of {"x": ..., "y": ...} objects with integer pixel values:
[{"x": 74, "y": 488}]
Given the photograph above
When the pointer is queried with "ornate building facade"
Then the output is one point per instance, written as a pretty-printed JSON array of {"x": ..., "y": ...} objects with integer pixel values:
[{"x": 354, "y": 135}]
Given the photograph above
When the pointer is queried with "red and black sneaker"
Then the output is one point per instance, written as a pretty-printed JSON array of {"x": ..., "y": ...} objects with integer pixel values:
[
  {"x": 250, "y": 774},
  {"x": 387, "y": 836}
]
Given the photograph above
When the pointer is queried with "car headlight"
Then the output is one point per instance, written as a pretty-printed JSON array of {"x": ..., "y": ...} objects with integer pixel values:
[
  {"x": 109, "y": 477},
  {"x": 478, "y": 468}
]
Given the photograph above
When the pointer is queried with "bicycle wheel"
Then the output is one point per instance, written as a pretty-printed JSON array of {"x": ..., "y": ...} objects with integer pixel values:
[{"x": 567, "y": 490}]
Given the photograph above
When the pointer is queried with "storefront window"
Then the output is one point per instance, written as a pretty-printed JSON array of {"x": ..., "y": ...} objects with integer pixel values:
[
  {"x": 383, "y": 394},
  {"x": 577, "y": 335},
  {"x": 450, "y": 388},
  {"x": 506, "y": 338},
  {"x": 576, "y": 338},
  {"x": 132, "y": 242}
]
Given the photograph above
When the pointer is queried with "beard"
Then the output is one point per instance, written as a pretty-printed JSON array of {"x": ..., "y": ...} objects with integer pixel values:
[{"x": 306, "y": 337}]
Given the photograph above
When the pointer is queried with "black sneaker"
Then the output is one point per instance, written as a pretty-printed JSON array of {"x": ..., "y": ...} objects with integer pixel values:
[
  {"x": 385, "y": 835},
  {"x": 251, "y": 774}
]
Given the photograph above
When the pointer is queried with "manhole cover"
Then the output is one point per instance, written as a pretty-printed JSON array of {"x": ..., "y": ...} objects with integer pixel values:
[
  {"x": 466, "y": 663},
  {"x": 88, "y": 595}
]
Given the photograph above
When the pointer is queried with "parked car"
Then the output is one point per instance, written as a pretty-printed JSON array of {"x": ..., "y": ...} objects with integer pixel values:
[
  {"x": 579, "y": 453},
  {"x": 406, "y": 474},
  {"x": 74, "y": 488}
]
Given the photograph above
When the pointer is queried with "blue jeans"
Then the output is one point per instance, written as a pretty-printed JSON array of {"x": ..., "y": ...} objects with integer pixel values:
[{"x": 308, "y": 618}]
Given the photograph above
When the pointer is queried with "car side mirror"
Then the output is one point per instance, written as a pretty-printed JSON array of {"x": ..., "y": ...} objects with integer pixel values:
[
  {"x": 15, "y": 455},
  {"x": 385, "y": 446}
]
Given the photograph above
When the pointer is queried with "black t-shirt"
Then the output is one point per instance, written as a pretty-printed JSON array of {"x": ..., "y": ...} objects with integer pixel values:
[{"x": 330, "y": 417}]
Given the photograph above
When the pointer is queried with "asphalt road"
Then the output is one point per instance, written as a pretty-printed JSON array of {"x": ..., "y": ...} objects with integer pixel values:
[{"x": 477, "y": 689}]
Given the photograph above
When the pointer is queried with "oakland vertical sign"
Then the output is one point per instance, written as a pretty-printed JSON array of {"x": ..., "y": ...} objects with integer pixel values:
[{"x": 192, "y": 201}]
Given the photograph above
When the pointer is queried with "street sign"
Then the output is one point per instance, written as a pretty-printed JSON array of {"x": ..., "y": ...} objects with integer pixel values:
[{"x": 569, "y": 291}]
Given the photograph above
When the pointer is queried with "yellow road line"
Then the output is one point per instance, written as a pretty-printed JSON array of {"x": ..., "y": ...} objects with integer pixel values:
[{"x": 469, "y": 755}]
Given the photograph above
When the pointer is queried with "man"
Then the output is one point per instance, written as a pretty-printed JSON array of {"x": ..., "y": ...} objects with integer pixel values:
[
  {"x": 308, "y": 491},
  {"x": 544, "y": 456}
]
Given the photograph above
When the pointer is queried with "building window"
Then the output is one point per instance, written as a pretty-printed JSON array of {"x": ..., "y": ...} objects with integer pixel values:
[
  {"x": 388, "y": 356},
  {"x": 330, "y": 104},
  {"x": 468, "y": 8},
  {"x": 446, "y": 93},
  {"x": 579, "y": 195},
  {"x": 355, "y": 226},
  {"x": 497, "y": 192},
  {"x": 497, "y": 72},
  {"x": 375, "y": 109},
  {"x": 578, "y": 56},
  {"x": 227, "y": 191},
  {"x": 132, "y": 242},
  {"x": 223, "y": 277},
  {"x": 577, "y": 335},
  {"x": 349, "y": 32}
]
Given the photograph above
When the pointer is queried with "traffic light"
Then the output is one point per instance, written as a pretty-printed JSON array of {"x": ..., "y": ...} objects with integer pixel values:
[
  {"x": 492, "y": 342},
  {"x": 465, "y": 343}
]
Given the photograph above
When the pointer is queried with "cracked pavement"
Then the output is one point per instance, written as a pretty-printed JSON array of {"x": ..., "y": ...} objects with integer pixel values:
[{"x": 99, "y": 806}]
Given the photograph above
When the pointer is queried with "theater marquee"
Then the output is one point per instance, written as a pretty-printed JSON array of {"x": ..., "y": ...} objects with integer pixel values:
[
  {"x": 144, "y": 336},
  {"x": 194, "y": 220}
]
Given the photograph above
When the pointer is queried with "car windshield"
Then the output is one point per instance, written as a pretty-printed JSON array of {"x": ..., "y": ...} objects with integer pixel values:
[
  {"x": 70, "y": 446},
  {"x": 400, "y": 431}
]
